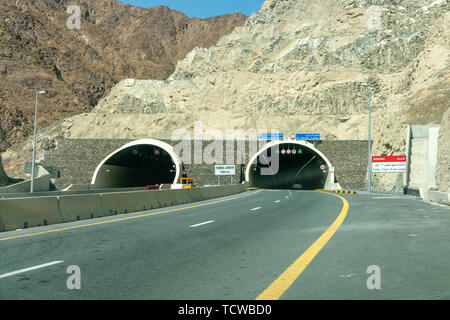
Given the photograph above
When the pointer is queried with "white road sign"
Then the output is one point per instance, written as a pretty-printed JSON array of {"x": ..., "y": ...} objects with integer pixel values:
[{"x": 225, "y": 170}]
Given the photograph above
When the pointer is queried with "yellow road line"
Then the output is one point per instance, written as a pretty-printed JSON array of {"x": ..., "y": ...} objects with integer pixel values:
[
  {"x": 127, "y": 218},
  {"x": 287, "y": 278}
]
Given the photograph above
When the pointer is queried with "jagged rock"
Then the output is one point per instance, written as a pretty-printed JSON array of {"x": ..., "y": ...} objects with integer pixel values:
[
  {"x": 297, "y": 66},
  {"x": 443, "y": 162},
  {"x": 78, "y": 67},
  {"x": 3, "y": 176}
]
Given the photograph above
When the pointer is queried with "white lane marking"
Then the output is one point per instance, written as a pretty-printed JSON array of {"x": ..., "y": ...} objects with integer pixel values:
[
  {"x": 254, "y": 209},
  {"x": 29, "y": 269},
  {"x": 201, "y": 224},
  {"x": 287, "y": 197},
  {"x": 277, "y": 201}
]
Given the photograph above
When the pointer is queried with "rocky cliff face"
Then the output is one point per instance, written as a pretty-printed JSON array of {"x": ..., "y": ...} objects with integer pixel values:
[
  {"x": 443, "y": 162},
  {"x": 297, "y": 66},
  {"x": 3, "y": 177},
  {"x": 78, "y": 67}
]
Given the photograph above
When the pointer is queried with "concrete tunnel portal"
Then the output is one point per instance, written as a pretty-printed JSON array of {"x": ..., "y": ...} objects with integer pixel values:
[
  {"x": 300, "y": 166},
  {"x": 150, "y": 162},
  {"x": 138, "y": 164}
]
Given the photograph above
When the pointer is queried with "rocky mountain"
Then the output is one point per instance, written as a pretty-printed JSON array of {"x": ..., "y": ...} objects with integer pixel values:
[
  {"x": 443, "y": 162},
  {"x": 3, "y": 177},
  {"x": 297, "y": 66},
  {"x": 77, "y": 67}
]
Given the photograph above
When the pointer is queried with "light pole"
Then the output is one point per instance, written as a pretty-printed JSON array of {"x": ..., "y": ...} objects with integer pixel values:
[
  {"x": 33, "y": 163},
  {"x": 369, "y": 160}
]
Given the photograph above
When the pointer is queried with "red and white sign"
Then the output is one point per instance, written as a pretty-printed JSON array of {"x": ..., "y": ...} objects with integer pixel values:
[
  {"x": 396, "y": 164},
  {"x": 389, "y": 159}
]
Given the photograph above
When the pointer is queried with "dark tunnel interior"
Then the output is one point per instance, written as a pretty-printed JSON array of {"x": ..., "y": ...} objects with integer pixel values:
[
  {"x": 137, "y": 166},
  {"x": 299, "y": 168}
]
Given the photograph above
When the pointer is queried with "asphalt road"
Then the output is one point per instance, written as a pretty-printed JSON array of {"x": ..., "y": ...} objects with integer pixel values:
[{"x": 236, "y": 248}]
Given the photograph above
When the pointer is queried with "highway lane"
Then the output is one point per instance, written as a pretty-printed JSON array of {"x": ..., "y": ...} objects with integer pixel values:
[
  {"x": 236, "y": 247},
  {"x": 246, "y": 244},
  {"x": 408, "y": 239}
]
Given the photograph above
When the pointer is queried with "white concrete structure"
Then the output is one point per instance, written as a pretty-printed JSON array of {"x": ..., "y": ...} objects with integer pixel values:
[
  {"x": 330, "y": 182},
  {"x": 422, "y": 156},
  {"x": 166, "y": 147}
]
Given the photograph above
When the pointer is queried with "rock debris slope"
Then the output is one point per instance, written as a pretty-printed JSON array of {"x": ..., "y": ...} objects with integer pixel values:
[{"x": 78, "y": 67}]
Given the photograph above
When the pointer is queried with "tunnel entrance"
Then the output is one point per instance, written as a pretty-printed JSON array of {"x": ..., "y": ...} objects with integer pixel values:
[
  {"x": 301, "y": 166},
  {"x": 138, "y": 164}
]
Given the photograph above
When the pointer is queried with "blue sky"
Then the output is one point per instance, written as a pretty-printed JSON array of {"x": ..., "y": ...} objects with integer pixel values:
[{"x": 203, "y": 8}]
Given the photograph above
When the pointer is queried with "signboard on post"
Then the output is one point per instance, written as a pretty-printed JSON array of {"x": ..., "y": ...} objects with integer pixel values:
[
  {"x": 225, "y": 170},
  {"x": 394, "y": 164},
  {"x": 271, "y": 136},
  {"x": 307, "y": 136}
]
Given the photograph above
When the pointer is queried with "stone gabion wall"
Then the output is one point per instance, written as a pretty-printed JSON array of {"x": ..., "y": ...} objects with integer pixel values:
[{"x": 75, "y": 160}]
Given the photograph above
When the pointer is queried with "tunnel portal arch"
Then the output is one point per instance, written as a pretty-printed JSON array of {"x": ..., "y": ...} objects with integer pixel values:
[
  {"x": 139, "y": 163},
  {"x": 307, "y": 148}
]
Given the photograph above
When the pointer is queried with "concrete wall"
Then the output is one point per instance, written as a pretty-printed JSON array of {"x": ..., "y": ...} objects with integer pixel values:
[
  {"x": 41, "y": 183},
  {"x": 113, "y": 181},
  {"x": 423, "y": 157},
  {"x": 38, "y": 211},
  {"x": 77, "y": 159}
]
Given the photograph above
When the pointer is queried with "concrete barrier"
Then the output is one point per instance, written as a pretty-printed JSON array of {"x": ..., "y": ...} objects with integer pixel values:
[
  {"x": 66, "y": 193},
  {"x": 28, "y": 212},
  {"x": 31, "y": 212},
  {"x": 72, "y": 208},
  {"x": 436, "y": 196},
  {"x": 119, "y": 203}
]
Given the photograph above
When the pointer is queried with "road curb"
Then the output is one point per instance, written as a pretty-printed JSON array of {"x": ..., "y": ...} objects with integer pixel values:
[{"x": 339, "y": 191}]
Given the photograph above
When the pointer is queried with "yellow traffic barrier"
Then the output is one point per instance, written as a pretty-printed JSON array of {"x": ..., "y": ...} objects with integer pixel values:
[{"x": 338, "y": 191}]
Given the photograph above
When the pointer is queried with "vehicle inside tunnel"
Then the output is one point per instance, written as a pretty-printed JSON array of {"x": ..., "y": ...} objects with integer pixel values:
[
  {"x": 137, "y": 166},
  {"x": 299, "y": 167}
]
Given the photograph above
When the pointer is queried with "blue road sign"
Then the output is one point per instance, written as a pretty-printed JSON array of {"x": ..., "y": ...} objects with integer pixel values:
[
  {"x": 307, "y": 136},
  {"x": 271, "y": 136}
]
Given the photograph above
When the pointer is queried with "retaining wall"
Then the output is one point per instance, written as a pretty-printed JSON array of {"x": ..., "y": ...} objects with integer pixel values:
[{"x": 75, "y": 160}]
